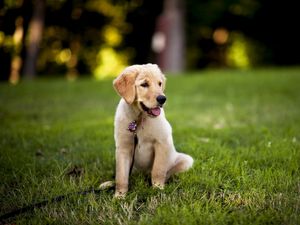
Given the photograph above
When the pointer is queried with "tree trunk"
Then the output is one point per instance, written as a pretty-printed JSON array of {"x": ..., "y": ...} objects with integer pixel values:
[
  {"x": 169, "y": 39},
  {"x": 35, "y": 31},
  {"x": 16, "y": 62}
]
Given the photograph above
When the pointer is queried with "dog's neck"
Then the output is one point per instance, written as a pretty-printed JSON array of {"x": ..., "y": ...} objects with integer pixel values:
[
  {"x": 134, "y": 115},
  {"x": 132, "y": 110}
]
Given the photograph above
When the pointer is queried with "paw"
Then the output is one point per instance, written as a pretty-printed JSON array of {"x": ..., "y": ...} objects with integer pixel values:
[
  {"x": 120, "y": 195},
  {"x": 158, "y": 186}
]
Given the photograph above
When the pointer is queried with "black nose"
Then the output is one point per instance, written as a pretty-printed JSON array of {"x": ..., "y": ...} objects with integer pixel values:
[{"x": 161, "y": 99}]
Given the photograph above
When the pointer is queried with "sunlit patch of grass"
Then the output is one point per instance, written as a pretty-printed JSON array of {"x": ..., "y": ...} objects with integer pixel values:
[{"x": 241, "y": 127}]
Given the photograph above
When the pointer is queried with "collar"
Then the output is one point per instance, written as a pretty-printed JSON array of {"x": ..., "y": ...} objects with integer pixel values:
[{"x": 133, "y": 125}]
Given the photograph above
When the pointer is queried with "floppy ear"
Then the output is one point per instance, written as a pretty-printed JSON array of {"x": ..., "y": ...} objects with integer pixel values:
[
  {"x": 164, "y": 82},
  {"x": 164, "y": 79},
  {"x": 124, "y": 84}
]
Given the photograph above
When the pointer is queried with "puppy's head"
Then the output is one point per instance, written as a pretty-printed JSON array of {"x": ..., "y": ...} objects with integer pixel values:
[{"x": 143, "y": 86}]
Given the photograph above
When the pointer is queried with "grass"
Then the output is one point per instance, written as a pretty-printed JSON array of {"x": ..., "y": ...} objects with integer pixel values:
[{"x": 242, "y": 129}]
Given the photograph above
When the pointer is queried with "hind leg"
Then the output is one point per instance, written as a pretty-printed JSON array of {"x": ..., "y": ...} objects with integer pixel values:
[{"x": 183, "y": 162}]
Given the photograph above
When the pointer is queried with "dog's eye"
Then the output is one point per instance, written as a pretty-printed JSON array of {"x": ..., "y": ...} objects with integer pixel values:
[
  {"x": 145, "y": 84},
  {"x": 159, "y": 83}
]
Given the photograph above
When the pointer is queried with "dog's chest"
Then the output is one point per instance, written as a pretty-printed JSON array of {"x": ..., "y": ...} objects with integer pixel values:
[
  {"x": 148, "y": 129},
  {"x": 144, "y": 154},
  {"x": 144, "y": 151},
  {"x": 153, "y": 129}
]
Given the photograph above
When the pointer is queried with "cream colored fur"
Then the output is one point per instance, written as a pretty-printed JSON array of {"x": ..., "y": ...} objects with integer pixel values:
[{"x": 155, "y": 151}]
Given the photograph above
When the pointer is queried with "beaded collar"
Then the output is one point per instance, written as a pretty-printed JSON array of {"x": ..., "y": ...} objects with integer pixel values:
[{"x": 132, "y": 127}]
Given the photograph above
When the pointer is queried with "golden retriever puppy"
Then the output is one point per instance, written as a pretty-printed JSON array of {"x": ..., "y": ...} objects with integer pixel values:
[{"x": 140, "y": 114}]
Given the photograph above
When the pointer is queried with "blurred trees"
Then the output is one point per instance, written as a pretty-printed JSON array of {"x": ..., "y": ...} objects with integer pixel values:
[
  {"x": 79, "y": 37},
  {"x": 100, "y": 37},
  {"x": 35, "y": 32},
  {"x": 169, "y": 38},
  {"x": 242, "y": 33}
]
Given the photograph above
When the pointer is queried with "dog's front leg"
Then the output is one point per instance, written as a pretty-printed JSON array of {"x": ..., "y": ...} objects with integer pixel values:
[
  {"x": 160, "y": 165},
  {"x": 123, "y": 163}
]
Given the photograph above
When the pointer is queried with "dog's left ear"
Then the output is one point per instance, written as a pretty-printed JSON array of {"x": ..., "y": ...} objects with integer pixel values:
[
  {"x": 125, "y": 83},
  {"x": 164, "y": 79}
]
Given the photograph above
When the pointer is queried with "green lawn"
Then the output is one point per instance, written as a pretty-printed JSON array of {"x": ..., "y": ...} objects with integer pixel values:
[{"x": 242, "y": 129}]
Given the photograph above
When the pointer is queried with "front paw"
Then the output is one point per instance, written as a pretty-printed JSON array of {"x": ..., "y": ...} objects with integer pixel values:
[
  {"x": 120, "y": 195},
  {"x": 158, "y": 185}
]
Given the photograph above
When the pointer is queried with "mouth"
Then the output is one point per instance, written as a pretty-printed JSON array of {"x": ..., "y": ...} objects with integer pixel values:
[{"x": 154, "y": 112}]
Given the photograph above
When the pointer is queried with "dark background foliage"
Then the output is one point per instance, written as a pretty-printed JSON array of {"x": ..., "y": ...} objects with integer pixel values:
[{"x": 88, "y": 37}]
